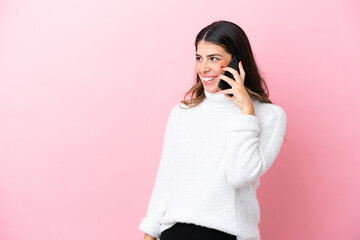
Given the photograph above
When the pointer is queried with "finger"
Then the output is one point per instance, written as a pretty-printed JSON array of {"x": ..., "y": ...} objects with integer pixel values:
[
  {"x": 227, "y": 95},
  {"x": 242, "y": 72},
  {"x": 230, "y": 81},
  {"x": 234, "y": 73},
  {"x": 226, "y": 91}
]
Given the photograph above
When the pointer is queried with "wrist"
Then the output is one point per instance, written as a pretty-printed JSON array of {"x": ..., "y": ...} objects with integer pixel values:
[{"x": 248, "y": 111}]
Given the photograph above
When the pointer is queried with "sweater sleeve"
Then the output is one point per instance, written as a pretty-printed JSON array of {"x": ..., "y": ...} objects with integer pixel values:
[
  {"x": 150, "y": 224},
  {"x": 251, "y": 145}
]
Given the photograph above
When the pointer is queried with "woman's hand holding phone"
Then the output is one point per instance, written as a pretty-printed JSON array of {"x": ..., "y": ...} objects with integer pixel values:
[{"x": 240, "y": 97}]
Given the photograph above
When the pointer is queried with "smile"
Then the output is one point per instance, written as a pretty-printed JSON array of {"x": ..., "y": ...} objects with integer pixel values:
[{"x": 206, "y": 79}]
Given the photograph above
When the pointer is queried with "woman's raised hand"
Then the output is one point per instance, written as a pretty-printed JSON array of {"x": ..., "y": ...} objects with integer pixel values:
[{"x": 240, "y": 97}]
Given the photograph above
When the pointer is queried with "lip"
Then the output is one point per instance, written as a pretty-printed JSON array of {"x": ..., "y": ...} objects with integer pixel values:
[{"x": 209, "y": 82}]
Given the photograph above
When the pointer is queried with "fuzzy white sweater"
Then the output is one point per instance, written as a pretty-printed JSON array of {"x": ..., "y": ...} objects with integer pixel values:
[{"x": 212, "y": 159}]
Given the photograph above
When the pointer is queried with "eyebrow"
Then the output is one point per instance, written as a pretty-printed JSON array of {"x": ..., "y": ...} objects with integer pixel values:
[{"x": 209, "y": 55}]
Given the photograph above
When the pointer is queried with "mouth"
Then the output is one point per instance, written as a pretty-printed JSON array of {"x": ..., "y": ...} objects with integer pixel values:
[{"x": 208, "y": 80}]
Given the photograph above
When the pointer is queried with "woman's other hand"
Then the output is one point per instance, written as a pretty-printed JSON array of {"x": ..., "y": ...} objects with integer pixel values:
[{"x": 148, "y": 237}]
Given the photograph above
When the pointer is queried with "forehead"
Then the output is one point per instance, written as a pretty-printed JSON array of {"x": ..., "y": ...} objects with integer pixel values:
[{"x": 204, "y": 46}]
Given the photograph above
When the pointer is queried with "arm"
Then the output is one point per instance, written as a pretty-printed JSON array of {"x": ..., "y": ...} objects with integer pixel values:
[
  {"x": 251, "y": 146},
  {"x": 160, "y": 194}
]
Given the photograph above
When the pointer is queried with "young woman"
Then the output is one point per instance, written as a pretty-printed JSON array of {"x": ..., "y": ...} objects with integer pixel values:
[{"x": 216, "y": 147}]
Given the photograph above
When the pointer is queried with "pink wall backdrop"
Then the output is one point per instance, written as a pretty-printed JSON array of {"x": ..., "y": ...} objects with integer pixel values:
[{"x": 86, "y": 88}]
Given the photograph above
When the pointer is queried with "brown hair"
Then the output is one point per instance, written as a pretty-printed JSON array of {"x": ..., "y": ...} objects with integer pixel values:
[{"x": 234, "y": 40}]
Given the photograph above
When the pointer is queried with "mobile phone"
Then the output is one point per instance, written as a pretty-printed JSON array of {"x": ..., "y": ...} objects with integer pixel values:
[{"x": 234, "y": 63}]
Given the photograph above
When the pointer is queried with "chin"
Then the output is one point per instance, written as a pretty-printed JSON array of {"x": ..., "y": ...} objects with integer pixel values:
[{"x": 211, "y": 89}]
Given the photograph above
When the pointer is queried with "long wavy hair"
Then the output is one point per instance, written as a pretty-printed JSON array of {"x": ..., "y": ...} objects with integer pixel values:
[{"x": 234, "y": 40}]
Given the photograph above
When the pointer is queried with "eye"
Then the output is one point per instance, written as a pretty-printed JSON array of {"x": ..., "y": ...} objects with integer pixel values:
[
  {"x": 215, "y": 58},
  {"x": 197, "y": 58}
]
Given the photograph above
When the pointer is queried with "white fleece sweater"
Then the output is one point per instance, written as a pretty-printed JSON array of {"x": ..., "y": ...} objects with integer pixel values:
[{"x": 211, "y": 161}]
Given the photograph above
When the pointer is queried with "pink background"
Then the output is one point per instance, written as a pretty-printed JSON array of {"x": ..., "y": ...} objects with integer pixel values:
[{"x": 86, "y": 89}]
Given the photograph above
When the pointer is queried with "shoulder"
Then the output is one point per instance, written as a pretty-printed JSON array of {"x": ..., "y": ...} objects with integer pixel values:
[
  {"x": 174, "y": 110},
  {"x": 181, "y": 108},
  {"x": 268, "y": 112}
]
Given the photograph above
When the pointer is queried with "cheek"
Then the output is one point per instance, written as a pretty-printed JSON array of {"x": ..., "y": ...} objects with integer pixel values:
[
  {"x": 197, "y": 68},
  {"x": 219, "y": 70}
]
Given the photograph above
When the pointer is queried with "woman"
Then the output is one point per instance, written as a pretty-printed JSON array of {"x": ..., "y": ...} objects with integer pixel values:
[{"x": 216, "y": 147}]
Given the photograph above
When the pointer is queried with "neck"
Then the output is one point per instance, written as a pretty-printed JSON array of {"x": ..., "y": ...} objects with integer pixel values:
[{"x": 219, "y": 100}]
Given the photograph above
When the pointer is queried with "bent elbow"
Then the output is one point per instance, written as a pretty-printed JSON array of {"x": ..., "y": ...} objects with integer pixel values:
[{"x": 242, "y": 178}]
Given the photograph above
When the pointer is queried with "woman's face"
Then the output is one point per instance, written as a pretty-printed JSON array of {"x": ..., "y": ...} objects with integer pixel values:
[{"x": 209, "y": 59}]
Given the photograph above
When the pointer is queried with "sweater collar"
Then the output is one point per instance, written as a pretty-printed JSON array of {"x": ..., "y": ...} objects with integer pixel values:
[{"x": 219, "y": 100}]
